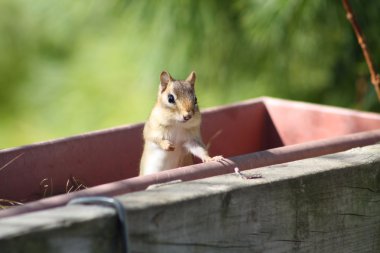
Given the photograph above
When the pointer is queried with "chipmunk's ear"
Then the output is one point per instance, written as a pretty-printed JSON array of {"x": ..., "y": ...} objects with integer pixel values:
[
  {"x": 191, "y": 78},
  {"x": 165, "y": 78}
]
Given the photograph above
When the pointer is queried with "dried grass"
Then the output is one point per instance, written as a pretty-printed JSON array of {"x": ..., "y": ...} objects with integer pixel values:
[
  {"x": 73, "y": 184},
  {"x": 6, "y": 203},
  {"x": 11, "y": 161}
]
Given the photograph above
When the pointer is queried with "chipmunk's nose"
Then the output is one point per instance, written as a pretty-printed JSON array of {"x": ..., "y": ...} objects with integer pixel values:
[{"x": 186, "y": 117}]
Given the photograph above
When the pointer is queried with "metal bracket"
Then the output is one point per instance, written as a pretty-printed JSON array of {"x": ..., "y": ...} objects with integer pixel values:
[{"x": 110, "y": 202}]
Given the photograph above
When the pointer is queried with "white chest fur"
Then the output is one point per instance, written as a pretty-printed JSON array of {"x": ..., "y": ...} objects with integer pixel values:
[
  {"x": 159, "y": 159},
  {"x": 156, "y": 159},
  {"x": 177, "y": 135}
]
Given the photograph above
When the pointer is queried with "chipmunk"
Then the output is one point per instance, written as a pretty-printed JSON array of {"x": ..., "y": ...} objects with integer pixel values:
[{"x": 172, "y": 132}]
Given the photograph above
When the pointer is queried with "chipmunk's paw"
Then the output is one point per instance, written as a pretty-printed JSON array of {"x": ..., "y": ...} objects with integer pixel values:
[
  {"x": 167, "y": 145},
  {"x": 214, "y": 159}
]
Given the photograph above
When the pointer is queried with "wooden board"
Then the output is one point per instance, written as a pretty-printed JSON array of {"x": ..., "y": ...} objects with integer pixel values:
[{"x": 325, "y": 204}]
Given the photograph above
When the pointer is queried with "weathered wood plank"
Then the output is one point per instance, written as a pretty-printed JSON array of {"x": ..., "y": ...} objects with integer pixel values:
[
  {"x": 324, "y": 204},
  {"x": 66, "y": 229}
]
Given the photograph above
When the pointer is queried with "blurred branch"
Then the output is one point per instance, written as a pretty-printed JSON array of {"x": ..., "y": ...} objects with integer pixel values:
[{"x": 375, "y": 77}]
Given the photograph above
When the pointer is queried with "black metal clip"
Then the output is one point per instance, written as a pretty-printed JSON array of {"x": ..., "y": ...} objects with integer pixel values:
[{"x": 111, "y": 202}]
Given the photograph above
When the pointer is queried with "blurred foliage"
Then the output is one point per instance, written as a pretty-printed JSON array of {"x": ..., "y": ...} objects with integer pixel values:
[{"x": 68, "y": 67}]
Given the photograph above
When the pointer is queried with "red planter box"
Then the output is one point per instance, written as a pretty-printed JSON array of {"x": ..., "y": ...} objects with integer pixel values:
[{"x": 251, "y": 134}]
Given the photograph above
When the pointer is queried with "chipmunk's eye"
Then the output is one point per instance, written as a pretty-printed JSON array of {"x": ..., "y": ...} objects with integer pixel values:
[
  {"x": 171, "y": 99},
  {"x": 195, "y": 100}
]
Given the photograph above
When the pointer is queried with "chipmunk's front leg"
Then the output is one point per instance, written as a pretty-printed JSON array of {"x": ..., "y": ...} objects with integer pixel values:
[
  {"x": 166, "y": 145},
  {"x": 198, "y": 149}
]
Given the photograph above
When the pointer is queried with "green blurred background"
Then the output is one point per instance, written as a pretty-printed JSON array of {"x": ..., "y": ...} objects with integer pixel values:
[{"x": 68, "y": 66}]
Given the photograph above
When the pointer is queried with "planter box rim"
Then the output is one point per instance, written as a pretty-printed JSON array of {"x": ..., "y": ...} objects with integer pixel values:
[{"x": 244, "y": 161}]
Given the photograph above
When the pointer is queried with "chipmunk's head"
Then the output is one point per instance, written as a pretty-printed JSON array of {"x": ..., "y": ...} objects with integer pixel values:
[{"x": 179, "y": 97}]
